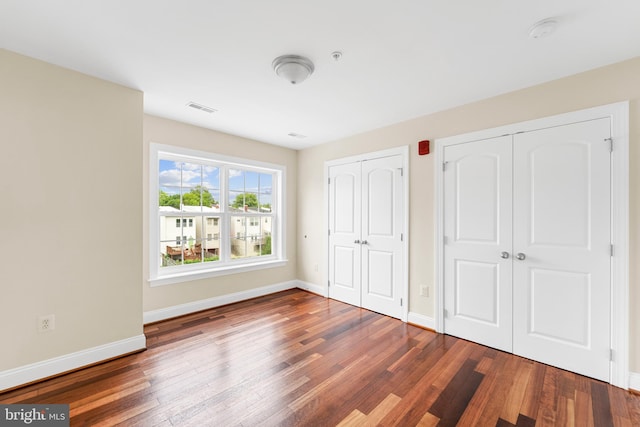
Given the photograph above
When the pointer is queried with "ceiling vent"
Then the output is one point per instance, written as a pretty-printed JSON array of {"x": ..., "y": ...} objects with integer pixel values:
[{"x": 201, "y": 107}]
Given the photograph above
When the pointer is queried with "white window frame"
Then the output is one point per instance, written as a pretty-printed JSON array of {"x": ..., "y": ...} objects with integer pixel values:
[{"x": 225, "y": 265}]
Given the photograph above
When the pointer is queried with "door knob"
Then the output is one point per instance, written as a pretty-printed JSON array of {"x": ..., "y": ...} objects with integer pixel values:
[
  {"x": 521, "y": 256},
  {"x": 504, "y": 255},
  {"x": 356, "y": 241},
  {"x": 364, "y": 242}
]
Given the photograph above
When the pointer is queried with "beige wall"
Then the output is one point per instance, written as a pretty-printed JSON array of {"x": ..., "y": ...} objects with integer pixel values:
[
  {"x": 164, "y": 131},
  {"x": 606, "y": 85},
  {"x": 70, "y": 219}
]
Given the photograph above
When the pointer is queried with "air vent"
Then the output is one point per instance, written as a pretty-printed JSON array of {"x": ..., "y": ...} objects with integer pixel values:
[
  {"x": 296, "y": 135},
  {"x": 201, "y": 107}
]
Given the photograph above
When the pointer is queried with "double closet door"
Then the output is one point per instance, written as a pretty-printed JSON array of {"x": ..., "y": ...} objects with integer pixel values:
[
  {"x": 365, "y": 234},
  {"x": 527, "y": 251}
]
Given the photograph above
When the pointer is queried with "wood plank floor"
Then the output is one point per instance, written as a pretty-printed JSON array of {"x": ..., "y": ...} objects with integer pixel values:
[{"x": 297, "y": 359}]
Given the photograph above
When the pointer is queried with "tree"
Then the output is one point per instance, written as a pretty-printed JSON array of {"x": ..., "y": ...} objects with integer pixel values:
[
  {"x": 249, "y": 199},
  {"x": 192, "y": 198},
  {"x": 266, "y": 247}
]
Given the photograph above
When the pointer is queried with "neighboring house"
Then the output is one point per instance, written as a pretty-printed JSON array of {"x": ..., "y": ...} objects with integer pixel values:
[
  {"x": 250, "y": 233},
  {"x": 183, "y": 229}
]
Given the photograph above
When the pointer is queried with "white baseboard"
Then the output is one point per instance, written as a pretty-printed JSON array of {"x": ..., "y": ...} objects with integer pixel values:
[
  {"x": 47, "y": 368},
  {"x": 312, "y": 287},
  {"x": 422, "y": 320},
  {"x": 634, "y": 381},
  {"x": 192, "y": 307}
]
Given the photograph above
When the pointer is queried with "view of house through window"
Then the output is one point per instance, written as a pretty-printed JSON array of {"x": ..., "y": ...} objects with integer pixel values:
[{"x": 214, "y": 213}]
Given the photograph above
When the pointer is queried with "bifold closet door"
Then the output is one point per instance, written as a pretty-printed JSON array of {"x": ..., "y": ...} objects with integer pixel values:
[
  {"x": 477, "y": 229},
  {"x": 527, "y": 251},
  {"x": 562, "y": 247},
  {"x": 366, "y": 214},
  {"x": 345, "y": 221}
]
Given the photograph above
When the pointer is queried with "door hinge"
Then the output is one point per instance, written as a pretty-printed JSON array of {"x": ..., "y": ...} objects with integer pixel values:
[
  {"x": 401, "y": 171},
  {"x": 446, "y": 313},
  {"x": 611, "y": 249},
  {"x": 329, "y": 232},
  {"x": 329, "y": 181},
  {"x": 401, "y": 237},
  {"x": 611, "y": 355},
  {"x": 610, "y": 141},
  {"x": 328, "y": 283},
  {"x": 444, "y": 240},
  {"x": 444, "y": 166},
  {"x": 400, "y": 302}
]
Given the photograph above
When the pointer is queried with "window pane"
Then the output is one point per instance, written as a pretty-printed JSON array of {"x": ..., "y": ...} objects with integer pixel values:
[
  {"x": 236, "y": 180},
  {"x": 237, "y": 234},
  {"x": 171, "y": 252},
  {"x": 191, "y": 175},
  {"x": 236, "y": 201}
]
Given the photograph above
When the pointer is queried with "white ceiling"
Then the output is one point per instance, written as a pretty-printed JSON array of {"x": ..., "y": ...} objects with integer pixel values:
[{"x": 401, "y": 58}]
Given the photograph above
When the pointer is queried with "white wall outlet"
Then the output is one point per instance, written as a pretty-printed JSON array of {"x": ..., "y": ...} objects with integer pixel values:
[
  {"x": 424, "y": 291},
  {"x": 46, "y": 323},
  {"x": 315, "y": 268}
]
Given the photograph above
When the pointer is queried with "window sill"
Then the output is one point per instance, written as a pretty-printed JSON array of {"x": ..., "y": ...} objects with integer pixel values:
[{"x": 214, "y": 272}]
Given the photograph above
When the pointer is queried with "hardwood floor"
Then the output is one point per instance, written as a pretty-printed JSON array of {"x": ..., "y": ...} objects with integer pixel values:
[{"x": 297, "y": 359}]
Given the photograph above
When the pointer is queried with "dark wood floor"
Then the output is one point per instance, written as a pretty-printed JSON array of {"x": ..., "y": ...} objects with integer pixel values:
[{"x": 297, "y": 359}]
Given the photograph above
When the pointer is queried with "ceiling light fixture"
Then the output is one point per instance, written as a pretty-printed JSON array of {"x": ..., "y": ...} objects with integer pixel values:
[
  {"x": 295, "y": 69},
  {"x": 543, "y": 28}
]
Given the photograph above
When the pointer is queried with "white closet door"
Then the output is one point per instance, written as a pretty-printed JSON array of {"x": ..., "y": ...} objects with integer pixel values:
[
  {"x": 345, "y": 227},
  {"x": 477, "y": 227},
  {"x": 561, "y": 229},
  {"x": 382, "y": 201}
]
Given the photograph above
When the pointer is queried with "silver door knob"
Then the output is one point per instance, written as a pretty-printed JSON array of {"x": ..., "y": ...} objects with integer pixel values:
[
  {"x": 504, "y": 255},
  {"x": 521, "y": 256},
  {"x": 364, "y": 242},
  {"x": 356, "y": 241}
]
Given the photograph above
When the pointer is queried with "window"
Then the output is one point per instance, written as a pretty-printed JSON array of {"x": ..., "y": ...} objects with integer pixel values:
[{"x": 227, "y": 211}]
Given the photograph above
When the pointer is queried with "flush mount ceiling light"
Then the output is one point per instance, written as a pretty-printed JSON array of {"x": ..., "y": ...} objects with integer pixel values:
[
  {"x": 293, "y": 68},
  {"x": 543, "y": 28}
]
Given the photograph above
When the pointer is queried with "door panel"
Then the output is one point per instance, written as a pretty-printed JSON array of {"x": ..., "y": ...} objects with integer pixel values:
[
  {"x": 344, "y": 223},
  {"x": 562, "y": 226},
  {"x": 477, "y": 226},
  {"x": 382, "y": 254}
]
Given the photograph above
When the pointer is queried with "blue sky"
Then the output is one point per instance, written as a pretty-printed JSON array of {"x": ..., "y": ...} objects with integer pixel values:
[{"x": 240, "y": 181}]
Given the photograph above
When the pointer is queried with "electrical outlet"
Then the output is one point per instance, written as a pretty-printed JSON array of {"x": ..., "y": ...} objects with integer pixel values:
[
  {"x": 315, "y": 268},
  {"x": 46, "y": 323},
  {"x": 424, "y": 291}
]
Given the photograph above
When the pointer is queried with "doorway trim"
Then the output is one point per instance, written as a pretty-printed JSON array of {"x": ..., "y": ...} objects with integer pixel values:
[
  {"x": 619, "y": 115},
  {"x": 404, "y": 152}
]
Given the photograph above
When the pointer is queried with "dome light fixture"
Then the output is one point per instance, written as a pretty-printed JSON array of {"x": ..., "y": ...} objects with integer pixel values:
[
  {"x": 293, "y": 68},
  {"x": 543, "y": 28}
]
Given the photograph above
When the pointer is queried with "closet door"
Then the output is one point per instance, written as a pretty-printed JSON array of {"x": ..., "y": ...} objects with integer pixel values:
[
  {"x": 345, "y": 222},
  {"x": 561, "y": 245},
  {"x": 382, "y": 271},
  {"x": 477, "y": 249}
]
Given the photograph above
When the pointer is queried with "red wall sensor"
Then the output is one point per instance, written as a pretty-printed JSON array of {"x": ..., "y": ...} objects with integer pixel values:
[{"x": 423, "y": 147}]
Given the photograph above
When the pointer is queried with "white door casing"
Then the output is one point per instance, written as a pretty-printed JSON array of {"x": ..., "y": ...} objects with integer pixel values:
[{"x": 617, "y": 320}]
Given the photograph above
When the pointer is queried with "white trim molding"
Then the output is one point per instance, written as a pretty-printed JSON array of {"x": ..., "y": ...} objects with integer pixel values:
[
  {"x": 194, "y": 306},
  {"x": 68, "y": 362},
  {"x": 422, "y": 320},
  {"x": 634, "y": 381},
  {"x": 619, "y": 115},
  {"x": 313, "y": 288}
]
